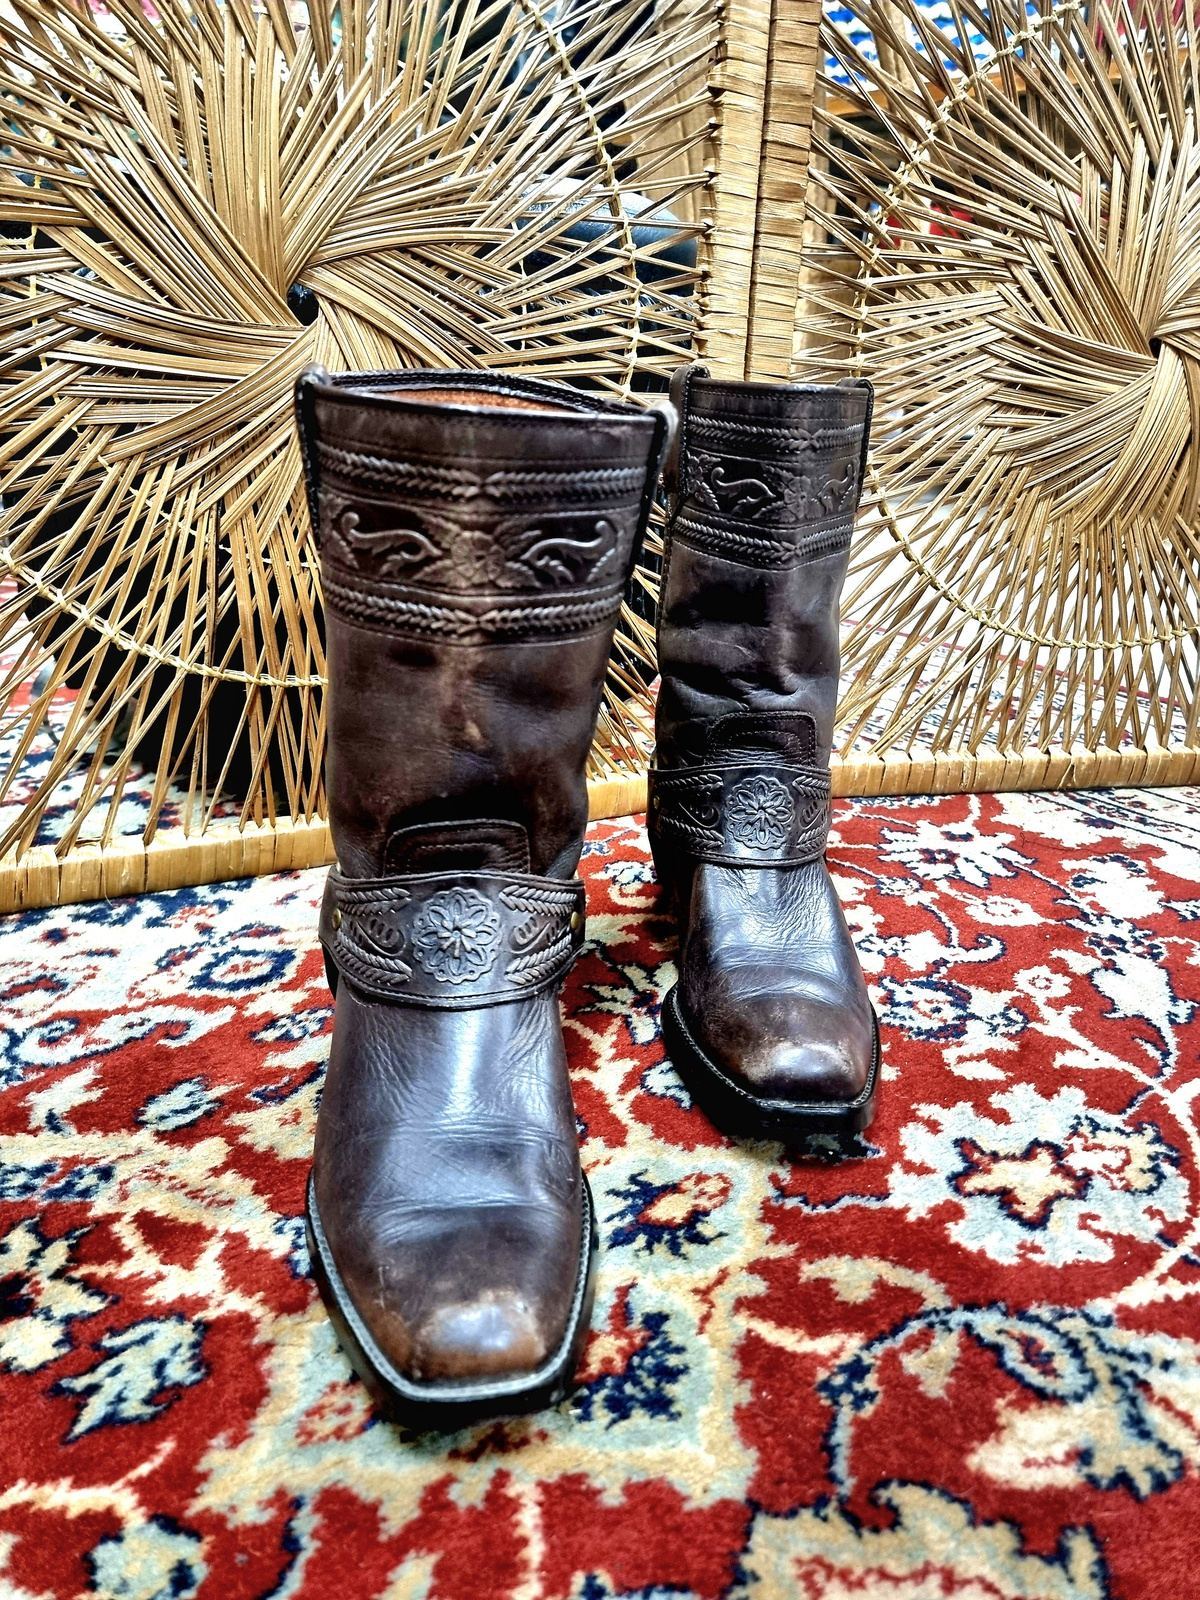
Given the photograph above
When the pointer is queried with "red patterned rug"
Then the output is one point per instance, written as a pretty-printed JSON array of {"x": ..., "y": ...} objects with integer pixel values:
[{"x": 965, "y": 1363}]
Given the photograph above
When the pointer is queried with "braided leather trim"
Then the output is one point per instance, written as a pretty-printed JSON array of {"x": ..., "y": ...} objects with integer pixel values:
[
  {"x": 504, "y": 486},
  {"x": 452, "y": 940},
  {"x": 793, "y": 438},
  {"x": 758, "y": 550},
  {"x": 460, "y": 619},
  {"x": 750, "y": 814}
]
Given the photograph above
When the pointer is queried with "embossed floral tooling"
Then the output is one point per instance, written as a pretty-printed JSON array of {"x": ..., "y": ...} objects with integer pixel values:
[
  {"x": 456, "y": 935},
  {"x": 760, "y": 812}
]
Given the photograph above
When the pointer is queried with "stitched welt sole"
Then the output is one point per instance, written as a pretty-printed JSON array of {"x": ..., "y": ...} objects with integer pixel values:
[
  {"x": 743, "y": 1115},
  {"x": 445, "y": 1407}
]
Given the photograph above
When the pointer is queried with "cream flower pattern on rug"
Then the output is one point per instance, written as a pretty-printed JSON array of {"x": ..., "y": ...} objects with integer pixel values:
[{"x": 1048, "y": 1179}]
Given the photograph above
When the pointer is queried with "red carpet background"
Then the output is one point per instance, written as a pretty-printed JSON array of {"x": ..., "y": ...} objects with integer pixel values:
[{"x": 963, "y": 1363}]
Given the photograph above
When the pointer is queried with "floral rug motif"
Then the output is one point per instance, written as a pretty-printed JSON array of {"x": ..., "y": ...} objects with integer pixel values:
[{"x": 964, "y": 1363}]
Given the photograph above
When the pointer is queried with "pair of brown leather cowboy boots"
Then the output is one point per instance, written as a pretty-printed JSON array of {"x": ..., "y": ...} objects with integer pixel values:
[{"x": 476, "y": 534}]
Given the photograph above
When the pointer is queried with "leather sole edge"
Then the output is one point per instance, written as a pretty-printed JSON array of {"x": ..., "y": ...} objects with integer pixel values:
[
  {"x": 737, "y": 1112},
  {"x": 446, "y": 1407}
]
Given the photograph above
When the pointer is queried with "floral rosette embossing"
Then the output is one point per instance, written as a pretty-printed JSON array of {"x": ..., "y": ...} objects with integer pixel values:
[
  {"x": 456, "y": 935},
  {"x": 760, "y": 813}
]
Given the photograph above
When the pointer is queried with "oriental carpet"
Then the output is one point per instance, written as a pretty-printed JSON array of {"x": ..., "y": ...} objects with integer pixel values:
[{"x": 964, "y": 1362}]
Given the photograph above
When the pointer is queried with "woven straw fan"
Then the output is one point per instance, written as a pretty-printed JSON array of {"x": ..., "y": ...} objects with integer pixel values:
[
  {"x": 198, "y": 202},
  {"x": 1005, "y": 237}
]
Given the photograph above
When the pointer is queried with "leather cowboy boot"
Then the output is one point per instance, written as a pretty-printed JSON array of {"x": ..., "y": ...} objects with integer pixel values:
[
  {"x": 769, "y": 1023},
  {"x": 476, "y": 531}
]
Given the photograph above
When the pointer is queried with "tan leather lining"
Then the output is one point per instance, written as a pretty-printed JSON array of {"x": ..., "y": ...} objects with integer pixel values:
[{"x": 474, "y": 397}]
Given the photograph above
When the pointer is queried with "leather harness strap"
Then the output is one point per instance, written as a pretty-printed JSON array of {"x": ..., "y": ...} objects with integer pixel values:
[
  {"x": 452, "y": 940},
  {"x": 743, "y": 814}
]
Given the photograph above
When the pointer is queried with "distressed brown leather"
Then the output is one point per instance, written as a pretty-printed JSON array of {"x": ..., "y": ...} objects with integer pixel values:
[
  {"x": 476, "y": 533},
  {"x": 765, "y": 484}
]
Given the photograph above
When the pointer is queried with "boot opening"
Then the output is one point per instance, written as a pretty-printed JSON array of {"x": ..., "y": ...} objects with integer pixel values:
[{"x": 475, "y": 397}]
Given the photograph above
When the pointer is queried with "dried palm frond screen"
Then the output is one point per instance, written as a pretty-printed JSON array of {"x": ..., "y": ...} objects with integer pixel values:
[
  {"x": 197, "y": 199},
  {"x": 1004, "y": 235}
]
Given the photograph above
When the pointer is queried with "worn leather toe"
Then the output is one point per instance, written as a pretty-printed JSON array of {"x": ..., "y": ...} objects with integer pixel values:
[
  {"x": 467, "y": 1308},
  {"x": 796, "y": 1047},
  {"x": 497, "y": 1334},
  {"x": 453, "y": 1212}
]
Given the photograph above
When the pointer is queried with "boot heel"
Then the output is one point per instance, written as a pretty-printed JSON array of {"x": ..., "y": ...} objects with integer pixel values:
[{"x": 670, "y": 874}]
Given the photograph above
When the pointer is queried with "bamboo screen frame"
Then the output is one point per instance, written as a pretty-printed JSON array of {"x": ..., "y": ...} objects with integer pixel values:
[{"x": 766, "y": 277}]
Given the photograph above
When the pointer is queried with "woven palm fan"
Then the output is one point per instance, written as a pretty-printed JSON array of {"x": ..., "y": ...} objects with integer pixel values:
[
  {"x": 200, "y": 199},
  {"x": 1009, "y": 247}
]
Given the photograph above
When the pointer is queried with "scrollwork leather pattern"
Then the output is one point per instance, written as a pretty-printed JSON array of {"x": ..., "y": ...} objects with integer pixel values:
[
  {"x": 452, "y": 940},
  {"x": 414, "y": 530},
  {"x": 431, "y": 546},
  {"x": 767, "y": 495},
  {"x": 770, "y": 493},
  {"x": 407, "y": 542}
]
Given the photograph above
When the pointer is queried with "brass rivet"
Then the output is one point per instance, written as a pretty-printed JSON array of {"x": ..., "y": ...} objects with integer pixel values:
[
  {"x": 337, "y": 916},
  {"x": 576, "y": 922}
]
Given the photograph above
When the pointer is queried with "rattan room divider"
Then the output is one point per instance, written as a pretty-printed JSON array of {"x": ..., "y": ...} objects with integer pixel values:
[
  {"x": 1004, "y": 235},
  {"x": 199, "y": 205}
]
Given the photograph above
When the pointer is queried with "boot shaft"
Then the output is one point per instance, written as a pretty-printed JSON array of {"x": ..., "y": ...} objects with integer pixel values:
[
  {"x": 765, "y": 483},
  {"x": 476, "y": 533}
]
